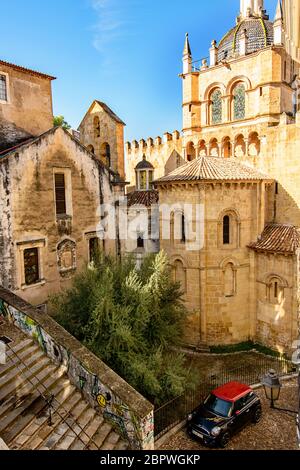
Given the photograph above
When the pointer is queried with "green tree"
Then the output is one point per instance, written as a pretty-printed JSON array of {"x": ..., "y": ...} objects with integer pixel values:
[
  {"x": 132, "y": 319},
  {"x": 59, "y": 121}
]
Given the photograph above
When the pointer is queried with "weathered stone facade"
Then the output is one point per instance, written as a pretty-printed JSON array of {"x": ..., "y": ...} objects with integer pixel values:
[
  {"x": 29, "y": 218},
  {"x": 102, "y": 132},
  {"x": 243, "y": 106}
]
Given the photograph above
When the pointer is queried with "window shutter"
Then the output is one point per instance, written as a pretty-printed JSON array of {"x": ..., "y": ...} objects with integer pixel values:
[{"x": 60, "y": 194}]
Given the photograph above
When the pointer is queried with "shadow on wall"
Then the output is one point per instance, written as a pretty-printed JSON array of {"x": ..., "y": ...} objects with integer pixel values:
[{"x": 174, "y": 161}]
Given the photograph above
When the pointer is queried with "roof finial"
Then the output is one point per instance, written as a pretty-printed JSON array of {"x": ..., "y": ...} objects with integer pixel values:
[
  {"x": 187, "y": 49},
  {"x": 278, "y": 15}
]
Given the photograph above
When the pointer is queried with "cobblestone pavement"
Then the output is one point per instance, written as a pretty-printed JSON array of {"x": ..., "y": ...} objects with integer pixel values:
[{"x": 276, "y": 431}]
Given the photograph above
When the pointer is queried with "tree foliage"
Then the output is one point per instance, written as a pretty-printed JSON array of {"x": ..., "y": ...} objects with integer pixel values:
[
  {"x": 59, "y": 121},
  {"x": 132, "y": 319}
]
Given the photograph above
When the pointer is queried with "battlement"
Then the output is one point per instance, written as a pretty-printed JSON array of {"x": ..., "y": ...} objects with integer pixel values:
[{"x": 150, "y": 142}]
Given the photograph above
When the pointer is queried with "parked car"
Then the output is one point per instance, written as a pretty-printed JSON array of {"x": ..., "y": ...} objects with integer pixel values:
[{"x": 224, "y": 412}]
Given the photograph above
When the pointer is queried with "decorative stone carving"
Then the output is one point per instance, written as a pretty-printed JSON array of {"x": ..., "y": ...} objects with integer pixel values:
[{"x": 66, "y": 258}]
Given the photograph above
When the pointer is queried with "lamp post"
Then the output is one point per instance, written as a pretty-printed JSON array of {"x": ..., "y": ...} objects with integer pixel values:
[{"x": 272, "y": 386}]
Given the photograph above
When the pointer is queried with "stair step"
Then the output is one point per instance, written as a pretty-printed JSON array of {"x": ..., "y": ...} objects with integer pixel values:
[
  {"x": 74, "y": 431},
  {"x": 23, "y": 414},
  {"x": 19, "y": 369},
  {"x": 26, "y": 383},
  {"x": 90, "y": 430},
  {"x": 111, "y": 440},
  {"x": 40, "y": 419},
  {"x": 102, "y": 434},
  {"x": 122, "y": 445},
  {"x": 37, "y": 440},
  {"x": 62, "y": 428},
  {"x": 13, "y": 361}
]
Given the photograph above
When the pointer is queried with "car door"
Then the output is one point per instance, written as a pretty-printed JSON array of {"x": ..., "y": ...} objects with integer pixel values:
[{"x": 240, "y": 414}]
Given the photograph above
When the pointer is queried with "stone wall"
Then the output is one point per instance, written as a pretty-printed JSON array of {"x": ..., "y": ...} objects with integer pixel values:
[
  {"x": 29, "y": 104},
  {"x": 108, "y": 131},
  {"x": 128, "y": 411},
  {"x": 164, "y": 153},
  {"x": 28, "y": 217}
]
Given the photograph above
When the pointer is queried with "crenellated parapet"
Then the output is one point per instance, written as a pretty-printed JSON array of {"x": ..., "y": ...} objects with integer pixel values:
[{"x": 163, "y": 152}]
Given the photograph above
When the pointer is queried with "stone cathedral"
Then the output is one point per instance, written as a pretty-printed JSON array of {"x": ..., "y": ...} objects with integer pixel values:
[{"x": 239, "y": 156}]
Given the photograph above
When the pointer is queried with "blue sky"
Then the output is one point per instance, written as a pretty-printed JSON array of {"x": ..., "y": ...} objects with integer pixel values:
[{"x": 124, "y": 52}]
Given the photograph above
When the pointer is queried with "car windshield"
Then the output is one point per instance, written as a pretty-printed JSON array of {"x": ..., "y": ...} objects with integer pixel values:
[{"x": 218, "y": 406}]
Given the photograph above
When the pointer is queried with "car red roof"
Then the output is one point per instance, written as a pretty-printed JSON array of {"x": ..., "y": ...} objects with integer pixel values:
[{"x": 232, "y": 391}]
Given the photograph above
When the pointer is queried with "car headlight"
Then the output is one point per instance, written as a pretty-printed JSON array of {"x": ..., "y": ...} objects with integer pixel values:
[
  {"x": 215, "y": 431},
  {"x": 190, "y": 417}
]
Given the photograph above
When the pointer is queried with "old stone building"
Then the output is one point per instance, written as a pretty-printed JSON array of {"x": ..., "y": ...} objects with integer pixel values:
[
  {"x": 51, "y": 189},
  {"x": 240, "y": 111}
]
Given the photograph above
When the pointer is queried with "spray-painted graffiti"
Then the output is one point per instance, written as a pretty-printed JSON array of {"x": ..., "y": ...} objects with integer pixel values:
[{"x": 138, "y": 431}]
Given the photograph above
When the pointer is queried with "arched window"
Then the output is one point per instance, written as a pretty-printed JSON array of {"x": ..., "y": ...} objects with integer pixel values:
[
  {"x": 254, "y": 145},
  {"x": 240, "y": 146},
  {"x": 96, "y": 127},
  {"x": 229, "y": 280},
  {"x": 3, "y": 88},
  {"x": 239, "y": 101},
  {"x": 226, "y": 147},
  {"x": 190, "y": 152},
  {"x": 180, "y": 274},
  {"x": 202, "y": 149},
  {"x": 214, "y": 148},
  {"x": 226, "y": 230},
  {"x": 275, "y": 291},
  {"x": 216, "y": 107},
  {"x": 105, "y": 154}
]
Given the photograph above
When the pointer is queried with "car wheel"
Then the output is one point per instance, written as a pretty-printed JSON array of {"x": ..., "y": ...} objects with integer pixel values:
[
  {"x": 257, "y": 415},
  {"x": 224, "y": 440}
]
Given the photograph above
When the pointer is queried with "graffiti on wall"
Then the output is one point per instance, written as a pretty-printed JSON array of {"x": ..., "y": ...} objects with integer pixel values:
[{"x": 138, "y": 432}]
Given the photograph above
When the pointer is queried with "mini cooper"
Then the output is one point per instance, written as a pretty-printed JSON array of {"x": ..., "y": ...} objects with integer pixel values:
[{"x": 224, "y": 412}]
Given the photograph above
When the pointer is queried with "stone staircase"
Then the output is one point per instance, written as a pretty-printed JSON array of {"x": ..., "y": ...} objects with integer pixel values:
[{"x": 27, "y": 380}]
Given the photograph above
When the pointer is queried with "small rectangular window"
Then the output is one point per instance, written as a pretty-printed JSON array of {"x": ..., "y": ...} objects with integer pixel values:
[
  {"x": 60, "y": 194},
  {"x": 93, "y": 248},
  {"x": 3, "y": 88},
  {"x": 31, "y": 266},
  {"x": 276, "y": 188},
  {"x": 261, "y": 91}
]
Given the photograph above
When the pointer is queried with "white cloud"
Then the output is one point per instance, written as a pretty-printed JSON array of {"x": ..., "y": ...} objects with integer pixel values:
[{"x": 109, "y": 25}]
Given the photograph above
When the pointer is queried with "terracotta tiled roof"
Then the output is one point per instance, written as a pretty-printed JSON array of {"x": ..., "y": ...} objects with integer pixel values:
[
  {"x": 24, "y": 69},
  {"x": 142, "y": 198},
  {"x": 278, "y": 238},
  {"x": 214, "y": 168}
]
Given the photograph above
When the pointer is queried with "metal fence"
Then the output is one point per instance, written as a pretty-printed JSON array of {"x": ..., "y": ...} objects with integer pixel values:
[{"x": 176, "y": 410}]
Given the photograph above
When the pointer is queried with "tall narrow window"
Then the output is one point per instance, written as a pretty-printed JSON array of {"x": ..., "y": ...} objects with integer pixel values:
[
  {"x": 105, "y": 154},
  {"x": 31, "y": 266},
  {"x": 3, "y": 88},
  {"x": 216, "y": 107},
  {"x": 93, "y": 249},
  {"x": 239, "y": 102},
  {"x": 183, "y": 229},
  {"x": 60, "y": 194},
  {"x": 96, "y": 127},
  {"x": 226, "y": 230}
]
